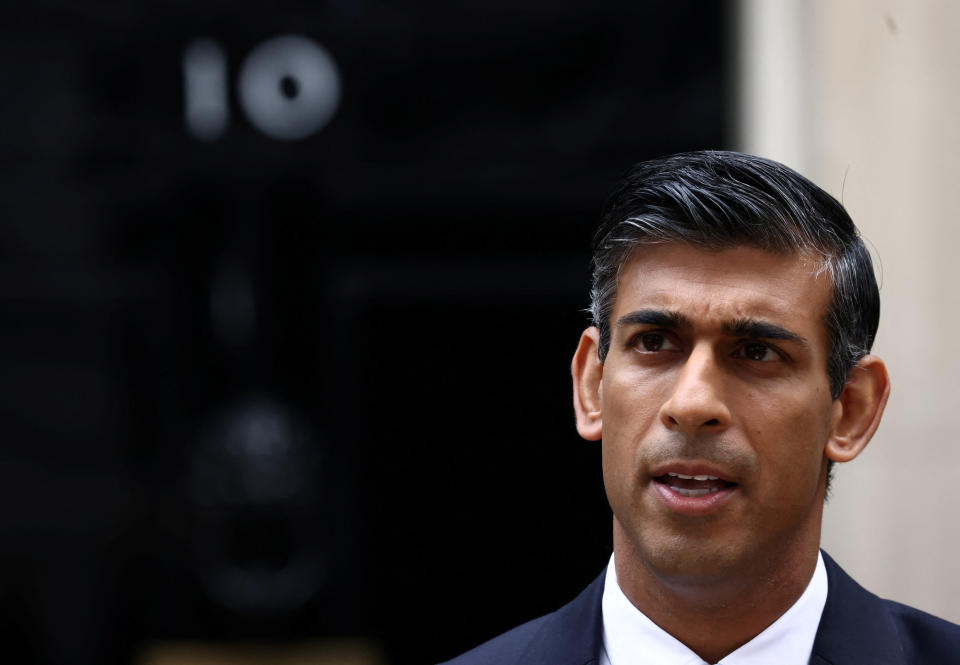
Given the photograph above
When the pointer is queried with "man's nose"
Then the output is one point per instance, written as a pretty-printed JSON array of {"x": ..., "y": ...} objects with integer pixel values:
[{"x": 697, "y": 403}]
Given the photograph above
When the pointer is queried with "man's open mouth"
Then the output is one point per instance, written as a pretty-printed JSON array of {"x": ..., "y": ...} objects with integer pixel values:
[{"x": 693, "y": 486}]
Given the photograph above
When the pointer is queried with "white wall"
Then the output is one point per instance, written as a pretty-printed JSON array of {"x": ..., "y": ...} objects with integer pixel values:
[{"x": 863, "y": 97}]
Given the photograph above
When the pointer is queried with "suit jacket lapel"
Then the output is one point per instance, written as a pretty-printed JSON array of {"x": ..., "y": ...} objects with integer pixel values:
[{"x": 855, "y": 627}]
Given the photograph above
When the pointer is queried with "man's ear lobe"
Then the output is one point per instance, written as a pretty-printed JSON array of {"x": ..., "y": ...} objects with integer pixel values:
[
  {"x": 858, "y": 409},
  {"x": 587, "y": 373}
]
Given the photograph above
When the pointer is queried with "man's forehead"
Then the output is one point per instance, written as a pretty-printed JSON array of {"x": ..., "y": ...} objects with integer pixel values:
[{"x": 735, "y": 282}]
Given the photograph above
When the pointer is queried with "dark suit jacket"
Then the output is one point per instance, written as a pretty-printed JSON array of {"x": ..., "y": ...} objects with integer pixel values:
[{"x": 857, "y": 628}]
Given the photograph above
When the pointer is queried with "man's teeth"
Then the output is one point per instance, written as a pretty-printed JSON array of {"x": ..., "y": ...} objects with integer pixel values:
[
  {"x": 692, "y": 493},
  {"x": 687, "y": 491},
  {"x": 680, "y": 475}
]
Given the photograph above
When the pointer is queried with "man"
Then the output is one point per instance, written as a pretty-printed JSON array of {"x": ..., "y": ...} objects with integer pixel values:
[{"x": 728, "y": 368}]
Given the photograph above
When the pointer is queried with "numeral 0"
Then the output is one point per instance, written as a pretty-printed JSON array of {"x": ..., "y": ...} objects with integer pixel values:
[{"x": 288, "y": 87}]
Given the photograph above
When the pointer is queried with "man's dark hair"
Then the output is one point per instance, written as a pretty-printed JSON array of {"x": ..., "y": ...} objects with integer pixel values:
[{"x": 715, "y": 200}]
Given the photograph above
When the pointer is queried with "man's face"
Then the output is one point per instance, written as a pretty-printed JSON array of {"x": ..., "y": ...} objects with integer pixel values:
[{"x": 716, "y": 370}]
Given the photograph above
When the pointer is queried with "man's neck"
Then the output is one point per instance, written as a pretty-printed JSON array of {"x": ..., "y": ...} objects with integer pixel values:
[{"x": 713, "y": 618}]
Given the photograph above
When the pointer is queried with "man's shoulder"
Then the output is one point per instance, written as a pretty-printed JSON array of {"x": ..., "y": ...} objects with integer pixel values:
[
  {"x": 858, "y": 626},
  {"x": 925, "y": 637},
  {"x": 571, "y": 635},
  {"x": 503, "y": 648}
]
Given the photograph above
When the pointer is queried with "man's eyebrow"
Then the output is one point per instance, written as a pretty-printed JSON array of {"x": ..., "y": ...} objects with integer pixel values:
[
  {"x": 745, "y": 327},
  {"x": 654, "y": 317},
  {"x": 761, "y": 330}
]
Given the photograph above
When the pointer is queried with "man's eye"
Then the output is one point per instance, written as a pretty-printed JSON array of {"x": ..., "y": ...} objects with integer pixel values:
[
  {"x": 654, "y": 341},
  {"x": 758, "y": 351},
  {"x": 651, "y": 341}
]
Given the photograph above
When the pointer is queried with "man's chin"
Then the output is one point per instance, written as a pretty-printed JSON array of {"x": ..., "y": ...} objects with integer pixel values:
[
  {"x": 688, "y": 559},
  {"x": 679, "y": 567}
]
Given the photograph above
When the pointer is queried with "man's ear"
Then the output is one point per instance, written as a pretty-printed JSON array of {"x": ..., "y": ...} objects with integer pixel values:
[
  {"x": 859, "y": 408},
  {"x": 587, "y": 373}
]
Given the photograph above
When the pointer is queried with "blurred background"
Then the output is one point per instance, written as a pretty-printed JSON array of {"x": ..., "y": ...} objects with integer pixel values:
[{"x": 289, "y": 292}]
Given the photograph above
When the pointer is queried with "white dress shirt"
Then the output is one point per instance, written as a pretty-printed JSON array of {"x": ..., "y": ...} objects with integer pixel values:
[{"x": 630, "y": 638}]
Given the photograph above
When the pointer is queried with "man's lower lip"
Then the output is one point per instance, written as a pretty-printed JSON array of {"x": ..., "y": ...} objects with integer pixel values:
[{"x": 693, "y": 505}]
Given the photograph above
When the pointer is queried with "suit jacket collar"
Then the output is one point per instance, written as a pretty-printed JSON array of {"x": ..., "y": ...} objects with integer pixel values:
[
  {"x": 573, "y": 635},
  {"x": 855, "y": 628}
]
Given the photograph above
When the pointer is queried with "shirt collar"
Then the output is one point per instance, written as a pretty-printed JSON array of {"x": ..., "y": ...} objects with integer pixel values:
[{"x": 630, "y": 638}]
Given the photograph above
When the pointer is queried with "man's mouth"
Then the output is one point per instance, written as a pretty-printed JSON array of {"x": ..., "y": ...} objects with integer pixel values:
[{"x": 693, "y": 486}]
